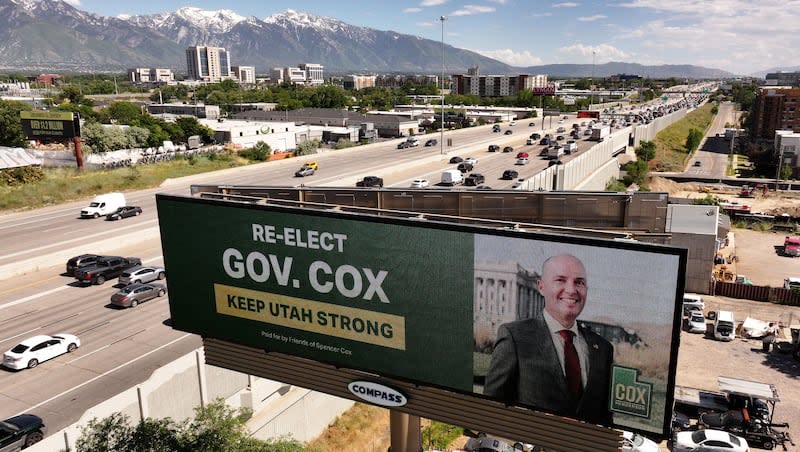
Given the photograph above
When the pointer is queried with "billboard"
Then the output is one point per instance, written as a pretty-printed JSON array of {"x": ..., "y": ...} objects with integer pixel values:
[
  {"x": 49, "y": 125},
  {"x": 545, "y": 90},
  {"x": 430, "y": 303}
]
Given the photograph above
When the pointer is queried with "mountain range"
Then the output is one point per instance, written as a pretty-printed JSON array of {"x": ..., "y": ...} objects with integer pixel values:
[{"x": 53, "y": 35}]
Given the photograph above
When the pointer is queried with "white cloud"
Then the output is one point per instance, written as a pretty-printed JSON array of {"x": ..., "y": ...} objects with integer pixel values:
[
  {"x": 425, "y": 24},
  {"x": 565, "y": 5},
  {"x": 736, "y": 35},
  {"x": 591, "y": 18},
  {"x": 468, "y": 10},
  {"x": 412, "y": 10},
  {"x": 426, "y": 3},
  {"x": 603, "y": 53},
  {"x": 500, "y": 2},
  {"x": 508, "y": 56},
  {"x": 541, "y": 14}
]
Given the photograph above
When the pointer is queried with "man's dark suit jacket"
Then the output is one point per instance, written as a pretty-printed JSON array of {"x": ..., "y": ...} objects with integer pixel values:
[{"x": 525, "y": 369}]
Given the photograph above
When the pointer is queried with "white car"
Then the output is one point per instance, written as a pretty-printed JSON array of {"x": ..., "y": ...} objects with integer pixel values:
[
  {"x": 709, "y": 440},
  {"x": 419, "y": 183},
  {"x": 521, "y": 161},
  {"x": 697, "y": 323},
  {"x": 142, "y": 275},
  {"x": 635, "y": 442},
  {"x": 32, "y": 351},
  {"x": 471, "y": 160}
]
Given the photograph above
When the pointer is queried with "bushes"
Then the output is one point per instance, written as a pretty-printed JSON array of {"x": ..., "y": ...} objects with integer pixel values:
[
  {"x": 21, "y": 175},
  {"x": 258, "y": 153}
]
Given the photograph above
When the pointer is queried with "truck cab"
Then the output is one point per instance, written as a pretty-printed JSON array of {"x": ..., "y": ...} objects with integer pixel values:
[{"x": 791, "y": 246}]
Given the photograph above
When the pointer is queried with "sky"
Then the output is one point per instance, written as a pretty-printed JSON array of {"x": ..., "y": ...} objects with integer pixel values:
[{"x": 739, "y": 36}]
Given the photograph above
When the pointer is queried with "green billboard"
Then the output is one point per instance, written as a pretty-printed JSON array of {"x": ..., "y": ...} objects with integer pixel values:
[{"x": 433, "y": 303}]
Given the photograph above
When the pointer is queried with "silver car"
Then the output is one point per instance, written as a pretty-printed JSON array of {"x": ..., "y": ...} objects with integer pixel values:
[
  {"x": 142, "y": 274},
  {"x": 132, "y": 295}
]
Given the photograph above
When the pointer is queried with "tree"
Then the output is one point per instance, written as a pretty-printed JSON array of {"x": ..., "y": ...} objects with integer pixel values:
[
  {"x": 693, "y": 139},
  {"x": 307, "y": 147},
  {"x": 10, "y": 125},
  {"x": 215, "y": 427},
  {"x": 646, "y": 150},
  {"x": 637, "y": 172}
]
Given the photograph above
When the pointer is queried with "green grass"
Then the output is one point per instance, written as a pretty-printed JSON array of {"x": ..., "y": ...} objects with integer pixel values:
[
  {"x": 439, "y": 435},
  {"x": 68, "y": 184},
  {"x": 671, "y": 153}
]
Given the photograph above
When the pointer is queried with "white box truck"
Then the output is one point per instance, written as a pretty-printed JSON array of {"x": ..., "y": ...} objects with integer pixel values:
[
  {"x": 452, "y": 177},
  {"x": 599, "y": 133},
  {"x": 103, "y": 205}
]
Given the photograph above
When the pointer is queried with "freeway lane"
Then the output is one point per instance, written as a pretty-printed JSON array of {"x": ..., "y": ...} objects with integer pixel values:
[{"x": 119, "y": 348}]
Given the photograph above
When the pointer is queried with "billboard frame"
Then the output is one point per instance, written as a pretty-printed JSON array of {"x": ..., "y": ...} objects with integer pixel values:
[{"x": 452, "y": 227}]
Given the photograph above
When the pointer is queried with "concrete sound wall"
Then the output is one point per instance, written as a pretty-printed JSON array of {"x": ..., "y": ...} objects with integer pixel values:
[{"x": 175, "y": 390}]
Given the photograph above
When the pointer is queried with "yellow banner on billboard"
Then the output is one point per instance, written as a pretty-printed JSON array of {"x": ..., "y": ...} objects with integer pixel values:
[
  {"x": 47, "y": 115},
  {"x": 360, "y": 325}
]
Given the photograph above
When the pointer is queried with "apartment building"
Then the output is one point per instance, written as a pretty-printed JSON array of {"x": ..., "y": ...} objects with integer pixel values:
[
  {"x": 787, "y": 147},
  {"x": 304, "y": 74},
  {"x": 776, "y": 109},
  {"x": 782, "y": 79},
  {"x": 244, "y": 74},
  {"x": 357, "y": 82},
  {"x": 398, "y": 80},
  {"x": 496, "y": 85},
  {"x": 150, "y": 75},
  {"x": 208, "y": 64}
]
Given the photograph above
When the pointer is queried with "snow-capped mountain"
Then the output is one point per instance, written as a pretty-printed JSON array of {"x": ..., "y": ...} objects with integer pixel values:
[{"x": 53, "y": 35}]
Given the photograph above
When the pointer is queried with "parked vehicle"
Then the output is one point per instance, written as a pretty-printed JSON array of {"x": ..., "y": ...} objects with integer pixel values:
[
  {"x": 635, "y": 442},
  {"x": 452, "y": 177},
  {"x": 194, "y": 142},
  {"x": 38, "y": 349},
  {"x": 509, "y": 174},
  {"x": 791, "y": 246},
  {"x": 710, "y": 440},
  {"x": 106, "y": 268},
  {"x": 83, "y": 260},
  {"x": 692, "y": 302},
  {"x": 140, "y": 274},
  {"x": 21, "y": 431},
  {"x": 124, "y": 212},
  {"x": 475, "y": 179},
  {"x": 370, "y": 181},
  {"x": 419, "y": 183},
  {"x": 791, "y": 283},
  {"x": 103, "y": 205},
  {"x": 696, "y": 322},
  {"x": 756, "y": 432},
  {"x": 724, "y": 326},
  {"x": 133, "y": 294}
]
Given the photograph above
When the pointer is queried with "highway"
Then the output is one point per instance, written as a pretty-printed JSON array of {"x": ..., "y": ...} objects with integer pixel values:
[{"x": 121, "y": 348}]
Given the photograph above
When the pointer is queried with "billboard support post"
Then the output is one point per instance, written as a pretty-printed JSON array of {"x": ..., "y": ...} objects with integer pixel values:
[
  {"x": 78, "y": 153},
  {"x": 405, "y": 432}
]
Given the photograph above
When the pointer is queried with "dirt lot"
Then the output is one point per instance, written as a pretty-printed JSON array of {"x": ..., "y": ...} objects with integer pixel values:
[{"x": 701, "y": 359}]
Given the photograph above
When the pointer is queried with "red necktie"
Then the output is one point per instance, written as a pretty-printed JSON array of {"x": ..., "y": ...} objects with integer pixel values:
[{"x": 572, "y": 367}]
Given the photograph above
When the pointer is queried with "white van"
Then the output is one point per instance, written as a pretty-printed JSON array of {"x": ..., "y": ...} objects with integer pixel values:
[
  {"x": 692, "y": 302},
  {"x": 724, "y": 326},
  {"x": 103, "y": 205},
  {"x": 452, "y": 177}
]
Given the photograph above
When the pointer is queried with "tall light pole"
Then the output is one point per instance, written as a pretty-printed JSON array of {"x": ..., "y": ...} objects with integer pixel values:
[
  {"x": 591, "y": 84},
  {"x": 441, "y": 141}
]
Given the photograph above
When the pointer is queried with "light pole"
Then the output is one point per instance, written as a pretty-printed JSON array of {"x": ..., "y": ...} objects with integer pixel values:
[
  {"x": 591, "y": 84},
  {"x": 441, "y": 141}
]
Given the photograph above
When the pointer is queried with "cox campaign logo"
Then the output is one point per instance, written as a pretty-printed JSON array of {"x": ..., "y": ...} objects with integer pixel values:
[{"x": 377, "y": 393}]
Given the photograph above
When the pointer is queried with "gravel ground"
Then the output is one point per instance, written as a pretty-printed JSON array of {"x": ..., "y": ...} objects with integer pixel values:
[{"x": 701, "y": 360}]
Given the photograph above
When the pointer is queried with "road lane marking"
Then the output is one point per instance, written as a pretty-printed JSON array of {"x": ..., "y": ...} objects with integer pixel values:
[
  {"x": 106, "y": 346},
  {"x": 20, "y": 334},
  {"x": 31, "y": 408},
  {"x": 33, "y": 297}
]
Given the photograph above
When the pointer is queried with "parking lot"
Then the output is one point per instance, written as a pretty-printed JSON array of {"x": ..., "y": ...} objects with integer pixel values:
[{"x": 701, "y": 359}]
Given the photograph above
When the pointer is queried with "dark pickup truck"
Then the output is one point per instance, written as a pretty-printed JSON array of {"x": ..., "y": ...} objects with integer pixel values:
[
  {"x": 105, "y": 268},
  {"x": 370, "y": 181}
]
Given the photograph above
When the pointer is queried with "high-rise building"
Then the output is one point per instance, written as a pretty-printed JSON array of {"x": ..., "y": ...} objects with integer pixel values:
[
  {"x": 244, "y": 74},
  {"x": 305, "y": 74},
  {"x": 150, "y": 75},
  {"x": 209, "y": 64}
]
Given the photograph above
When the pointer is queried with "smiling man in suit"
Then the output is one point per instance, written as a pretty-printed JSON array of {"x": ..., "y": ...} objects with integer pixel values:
[{"x": 549, "y": 362}]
